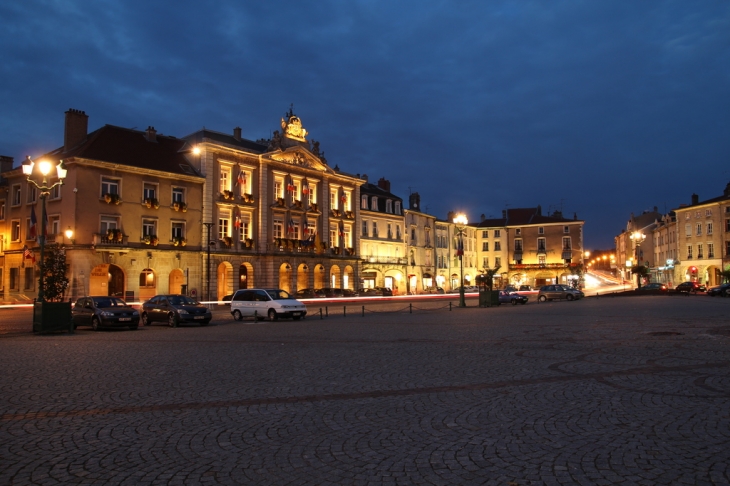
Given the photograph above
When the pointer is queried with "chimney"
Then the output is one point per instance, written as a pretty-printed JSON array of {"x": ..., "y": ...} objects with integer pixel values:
[
  {"x": 539, "y": 210},
  {"x": 450, "y": 216},
  {"x": 237, "y": 133},
  {"x": 726, "y": 192},
  {"x": 695, "y": 199},
  {"x": 6, "y": 163},
  {"x": 75, "y": 129},
  {"x": 151, "y": 134},
  {"x": 414, "y": 201},
  {"x": 365, "y": 177},
  {"x": 483, "y": 217},
  {"x": 384, "y": 184}
]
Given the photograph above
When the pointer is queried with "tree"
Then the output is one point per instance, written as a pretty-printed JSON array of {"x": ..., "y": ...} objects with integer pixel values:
[
  {"x": 55, "y": 281},
  {"x": 486, "y": 277},
  {"x": 725, "y": 274},
  {"x": 640, "y": 271},
  {"x": 577, "y": 270}
]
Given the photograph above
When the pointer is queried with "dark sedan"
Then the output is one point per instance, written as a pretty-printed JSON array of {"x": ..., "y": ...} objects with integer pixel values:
[
  {"x": 99, "y": 312},
  {"x": 653, "y": 288},
  {"x": 507, "y": 297},
  {"x": 690, "y": 287},
  {"x": 721, "y": 290},
  {"x": 174, "y": 309},
  {"x": 306, "y": 294}
]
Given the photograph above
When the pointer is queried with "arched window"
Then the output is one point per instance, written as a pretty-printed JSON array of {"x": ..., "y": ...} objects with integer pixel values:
[{"x": 147, "y": 279}]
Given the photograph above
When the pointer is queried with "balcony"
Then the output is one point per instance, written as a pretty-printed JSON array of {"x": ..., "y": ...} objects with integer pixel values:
[
  {"x": 112, "y": 242},
  {"x": 385, "y": 259},
  {"x": 540, "y": 266}
]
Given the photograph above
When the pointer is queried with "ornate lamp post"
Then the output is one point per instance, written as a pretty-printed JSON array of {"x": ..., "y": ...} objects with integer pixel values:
[
  {"x": 638, "y": 238},
  {"x": 45, "y": 168},
  {"x": 460, "y": 221}
]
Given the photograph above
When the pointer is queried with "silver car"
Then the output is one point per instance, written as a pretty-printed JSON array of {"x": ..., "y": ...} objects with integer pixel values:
[{"x": 551, "y": 292}]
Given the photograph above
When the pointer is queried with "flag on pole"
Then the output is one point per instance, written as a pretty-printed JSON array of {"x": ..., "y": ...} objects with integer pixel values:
[
  {"x": 33, "y": 224},
  {"x": 237, "y": 222},
  {"x": 290, "y": 185},
  {"x": 290, "y": 229},
  {"x": 306, "y": 227},
  {"x": 305, "y": 187},
  {"x": 460, "y": 248},
  {"x": 241, "y": 179},
  {"x": 28, "y": 254},
  {"x": 341, "y": 229}
]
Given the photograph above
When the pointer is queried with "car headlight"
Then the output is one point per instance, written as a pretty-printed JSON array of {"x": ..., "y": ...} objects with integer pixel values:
[
  {"x": 106, "y": 314},
  {"x": 182, "y": 312},
  {"x": 135, "y": 313}
]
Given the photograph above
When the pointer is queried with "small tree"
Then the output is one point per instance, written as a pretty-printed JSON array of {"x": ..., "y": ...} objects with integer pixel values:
[
  {"x": 577, "y": 270},
  {"x": 55, "y": 281},
  {"x": 640, "y": 271},
  {"x": 486, "y": 277},
  {"x": 725, "y": 274}
]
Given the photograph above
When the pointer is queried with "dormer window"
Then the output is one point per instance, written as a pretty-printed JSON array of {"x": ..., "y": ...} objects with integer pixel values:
[
  {"x": 388, "y": 206},
  {"x": 364, "y": 202},
  {"x": 397, "y": 207},
  {"x": 374, "y": 203}
]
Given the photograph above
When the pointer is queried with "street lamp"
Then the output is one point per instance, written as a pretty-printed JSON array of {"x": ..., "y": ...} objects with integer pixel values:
[
  {"x": 638, "y": 238},
  {"x": 460, "y": 221},
  {"x": 45, "y": 168}
]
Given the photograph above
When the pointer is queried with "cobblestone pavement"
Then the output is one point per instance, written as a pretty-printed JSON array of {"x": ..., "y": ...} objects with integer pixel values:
[{"x": 606, "y": 391}]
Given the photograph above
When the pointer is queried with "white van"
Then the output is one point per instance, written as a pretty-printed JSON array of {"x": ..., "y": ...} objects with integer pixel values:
[{"x": 271, "y": 303}]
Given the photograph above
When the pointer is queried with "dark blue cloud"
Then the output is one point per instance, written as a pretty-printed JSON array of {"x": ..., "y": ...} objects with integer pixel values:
[{"x": 599, "y": 108}]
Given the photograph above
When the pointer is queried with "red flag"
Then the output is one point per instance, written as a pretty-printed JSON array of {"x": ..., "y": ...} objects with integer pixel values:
[
  {"x": 460, "y": 248},
  {"x": 241, "y": 180},
  {"x": 33, "y": 224}
]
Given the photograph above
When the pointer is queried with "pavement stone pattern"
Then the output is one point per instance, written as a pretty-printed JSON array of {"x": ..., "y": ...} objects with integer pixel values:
[{"x": 595, "y": 392}]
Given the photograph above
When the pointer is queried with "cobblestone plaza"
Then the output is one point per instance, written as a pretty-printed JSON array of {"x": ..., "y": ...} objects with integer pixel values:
[{"x": 599, "y": 391}]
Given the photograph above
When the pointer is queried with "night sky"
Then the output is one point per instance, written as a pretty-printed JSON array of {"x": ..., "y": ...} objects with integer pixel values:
[{"x": 596, "y": 108}]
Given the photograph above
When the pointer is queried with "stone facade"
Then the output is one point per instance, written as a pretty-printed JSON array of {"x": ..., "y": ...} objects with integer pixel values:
[
  {"x": 279, "y": 215},
  {"x": 382, "y": 238}
]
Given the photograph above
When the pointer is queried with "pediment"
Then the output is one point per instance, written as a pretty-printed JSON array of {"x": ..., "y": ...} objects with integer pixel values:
[{"x": 300, "y": 157}]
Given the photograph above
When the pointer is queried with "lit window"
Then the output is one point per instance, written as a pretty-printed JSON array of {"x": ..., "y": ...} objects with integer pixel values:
[{"x": 364, "y": 202}]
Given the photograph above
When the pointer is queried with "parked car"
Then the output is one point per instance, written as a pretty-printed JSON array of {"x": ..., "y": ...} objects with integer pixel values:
[
  {"x": 653, "y": 287},
  {"x": 227, "y": 299},
  {"x": 690, "y": 287},
  {"x": 525, "y": 288},
  {"x": 513, "y": 298},
  {"x": 721, "y": 290},
  {"x": 510, "y": 289},
  {"x": 551, "y": 292},
  {"x": 330, "y": 293},
  {"x": 306, "y": 294},
  {"x": 350, "y": 293},
  {"x": 174, "y": 309},
  {"x": 272, "y": 303},
  {"x": 102, "y": 311}
]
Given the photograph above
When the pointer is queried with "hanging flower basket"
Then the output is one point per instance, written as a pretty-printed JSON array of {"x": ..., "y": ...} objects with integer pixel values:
[
  {"x": 180, "y": 206},
  {"x": 112, "y": 198},
  {"x": 154, "y": 240},
  {"x": 146, "y": 240}
]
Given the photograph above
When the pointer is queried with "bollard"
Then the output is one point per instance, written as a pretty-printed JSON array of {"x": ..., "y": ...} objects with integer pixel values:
[
  {"x": 363, "y": 311},
  {"x": 326, "y": 311},
  {"x": 410, "y": 308},
  {"x": 255, "y": 316},
  {"x": 449, "y": 306},
  {"x": 320, "y": 313},
  {"x": 344, "y": 311}
]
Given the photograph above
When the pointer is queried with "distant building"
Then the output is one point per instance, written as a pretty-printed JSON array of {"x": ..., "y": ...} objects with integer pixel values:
[
  {"x": 531, "y": 248},
  {"x": 421, "y": 254},
  {"x": 703, "y": 239},
  {"x": 133, "y": 202},
  {"x": 632, "y": 252},
  {"x": 665, "y": 249},
  {"x": 382, "y": 237}
]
